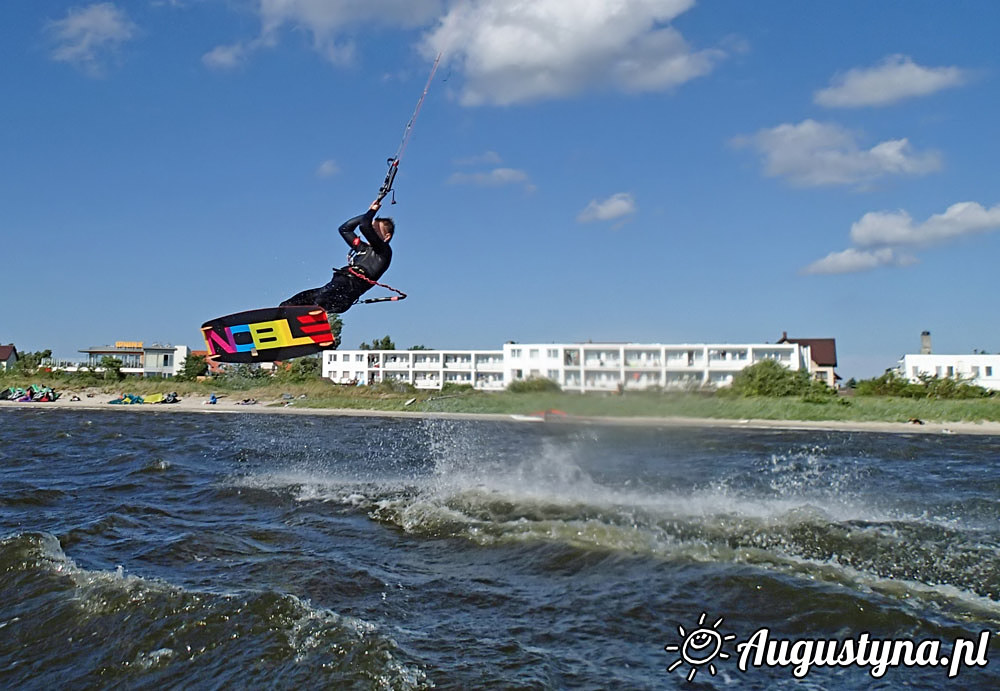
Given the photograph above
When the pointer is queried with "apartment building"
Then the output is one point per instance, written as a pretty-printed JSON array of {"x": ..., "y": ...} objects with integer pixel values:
[
  {"x": 424, "y": 369},
  {"x": 980, "y": 369},
  {"x": 574, "y": 366}
]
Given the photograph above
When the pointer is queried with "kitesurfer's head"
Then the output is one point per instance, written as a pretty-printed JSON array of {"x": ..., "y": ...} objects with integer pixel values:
[{"x": 385, "y": 227}]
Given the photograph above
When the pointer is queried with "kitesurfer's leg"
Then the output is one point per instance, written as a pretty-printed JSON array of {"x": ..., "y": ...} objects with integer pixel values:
[
  {"x": 335, "y": 297},
  {"x": 306, "y": 297}
]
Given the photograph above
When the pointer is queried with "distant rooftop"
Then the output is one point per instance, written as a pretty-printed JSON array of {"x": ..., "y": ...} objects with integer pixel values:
[{"x": 823, "y": 350}]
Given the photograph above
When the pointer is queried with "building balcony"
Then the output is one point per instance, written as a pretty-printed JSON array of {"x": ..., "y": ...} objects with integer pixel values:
[
  {"x": 602, "y": 386},
  {"x": 642, "y": 382},
  {"x": 489, "y": 366},
  {"x": 731, "y": 365}
]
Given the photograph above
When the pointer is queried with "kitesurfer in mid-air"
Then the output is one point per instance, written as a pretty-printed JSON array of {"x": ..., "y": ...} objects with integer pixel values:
[{"x": 366, "y": 262}]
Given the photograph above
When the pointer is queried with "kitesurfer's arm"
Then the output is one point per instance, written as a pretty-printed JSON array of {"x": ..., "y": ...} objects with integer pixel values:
[
  {"x": 364, "y": 220},
  {"x": 373, "y": 238}
]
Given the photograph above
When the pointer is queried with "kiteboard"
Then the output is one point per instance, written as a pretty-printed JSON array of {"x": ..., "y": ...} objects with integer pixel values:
[{"x": 269, "y": 334}]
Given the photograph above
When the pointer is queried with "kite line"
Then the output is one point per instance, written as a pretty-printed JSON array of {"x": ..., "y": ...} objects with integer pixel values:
[
  {"x": 393, "y": 162},
  {"x": 390, "y": 177}
]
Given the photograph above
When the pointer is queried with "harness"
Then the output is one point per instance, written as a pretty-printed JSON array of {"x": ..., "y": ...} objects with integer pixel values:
[{"x": 400, "y": 295}]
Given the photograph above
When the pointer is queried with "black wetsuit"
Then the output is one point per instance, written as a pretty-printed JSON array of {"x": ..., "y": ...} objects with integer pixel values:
[{"x": 370, "y": 259}]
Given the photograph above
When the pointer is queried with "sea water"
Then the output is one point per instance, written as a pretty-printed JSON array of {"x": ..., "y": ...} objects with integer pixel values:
[{"x": 148, "y": 550}]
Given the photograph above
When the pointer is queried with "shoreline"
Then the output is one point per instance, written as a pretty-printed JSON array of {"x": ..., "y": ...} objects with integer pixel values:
[{"x": 194, "y": 404}]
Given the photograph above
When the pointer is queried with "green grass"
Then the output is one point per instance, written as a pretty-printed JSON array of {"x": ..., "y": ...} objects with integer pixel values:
[
  {"x": 876, "y": 409},
  {"x": 322, "y": 394},
  {"x": 245, "y": 388}
]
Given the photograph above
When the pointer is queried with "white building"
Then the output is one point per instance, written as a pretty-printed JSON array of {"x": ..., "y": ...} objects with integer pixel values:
[
  {"x": 137, "y": 358},
  {"x": 980, "y": 369},
  {"x": 424, "y": 369},
  {"x": 575, "y": 367}
]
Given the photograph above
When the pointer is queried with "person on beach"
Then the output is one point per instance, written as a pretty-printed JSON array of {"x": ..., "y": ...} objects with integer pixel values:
[{"x": 366, "y": 262}]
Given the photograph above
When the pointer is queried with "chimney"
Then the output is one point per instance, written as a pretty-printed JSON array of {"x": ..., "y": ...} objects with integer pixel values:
[{"x": 925, "y": 343}]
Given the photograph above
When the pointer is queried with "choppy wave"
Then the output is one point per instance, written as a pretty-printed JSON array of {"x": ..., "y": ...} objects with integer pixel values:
[
  {"x": 285, "y": 551},
  {"x": 114, "y": 627},
  {"x": 799, "y": 513}
]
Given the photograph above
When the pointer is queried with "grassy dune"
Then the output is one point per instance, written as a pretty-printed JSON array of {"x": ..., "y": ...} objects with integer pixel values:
[{"x": 322, "y": 394}]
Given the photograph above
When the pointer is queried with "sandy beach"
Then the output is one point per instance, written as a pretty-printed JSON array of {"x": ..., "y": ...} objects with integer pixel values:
[{"x": 228, "y": 405}]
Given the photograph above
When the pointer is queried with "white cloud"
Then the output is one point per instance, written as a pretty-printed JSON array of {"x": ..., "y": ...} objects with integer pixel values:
[
  {"x": 508, "y": 51},
  {"x": 813, "y": 154},
  {"x": 323, "y": 17},
  {"x": 897, "y": 228},
  {"x": 616, "y": 206},
  {"x": 327, "y": 23},
  {"x": 89, "y": 35},
  {"x": 226, "y": 57},
  {"x": 853, "y": 260},
  {"x": 524, "y": 50},
  {"x": 327, "y": 168},
  {"x": 892, "y": 80},
  {"x": 492, "y": 178},
  {"x": 881, "y": 234}
]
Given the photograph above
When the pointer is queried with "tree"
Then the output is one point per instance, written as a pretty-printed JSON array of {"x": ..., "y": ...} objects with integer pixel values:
[
  {"x": 244, "y": 373},
  {"x": 28, "y": 363},
  {"x": 112, "y": 367},
  {"x": 194, "y": 366},
  {"x": 384, "y": 343},
  {"x": 893, "y": 384},
  {"x": 769, "y": 378},
  {"x": 336, "y": 326},
  {"x": 302, "y": 369}
]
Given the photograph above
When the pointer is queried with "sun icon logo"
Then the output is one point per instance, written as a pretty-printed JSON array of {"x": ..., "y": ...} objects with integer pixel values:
[{"x": 700, "y": 647}]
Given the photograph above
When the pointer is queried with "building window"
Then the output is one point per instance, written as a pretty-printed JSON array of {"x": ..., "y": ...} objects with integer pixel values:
[
  {"x": 553, "y": 374},
  {"x": 951, "y": 371},
  {"x": 553, "y": 353},
  {"x": 989, "y": 371},
  {"x": 975, "y": 371},
  {"x": 916, "y": 372},
  {"x": 515, "y": 352},
  {"x": 166, "y": 360},
  {"x": 533, "y": 354}
]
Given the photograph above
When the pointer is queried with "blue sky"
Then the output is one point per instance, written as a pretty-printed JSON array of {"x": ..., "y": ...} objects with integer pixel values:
[{"x": 613, "y": 170}]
